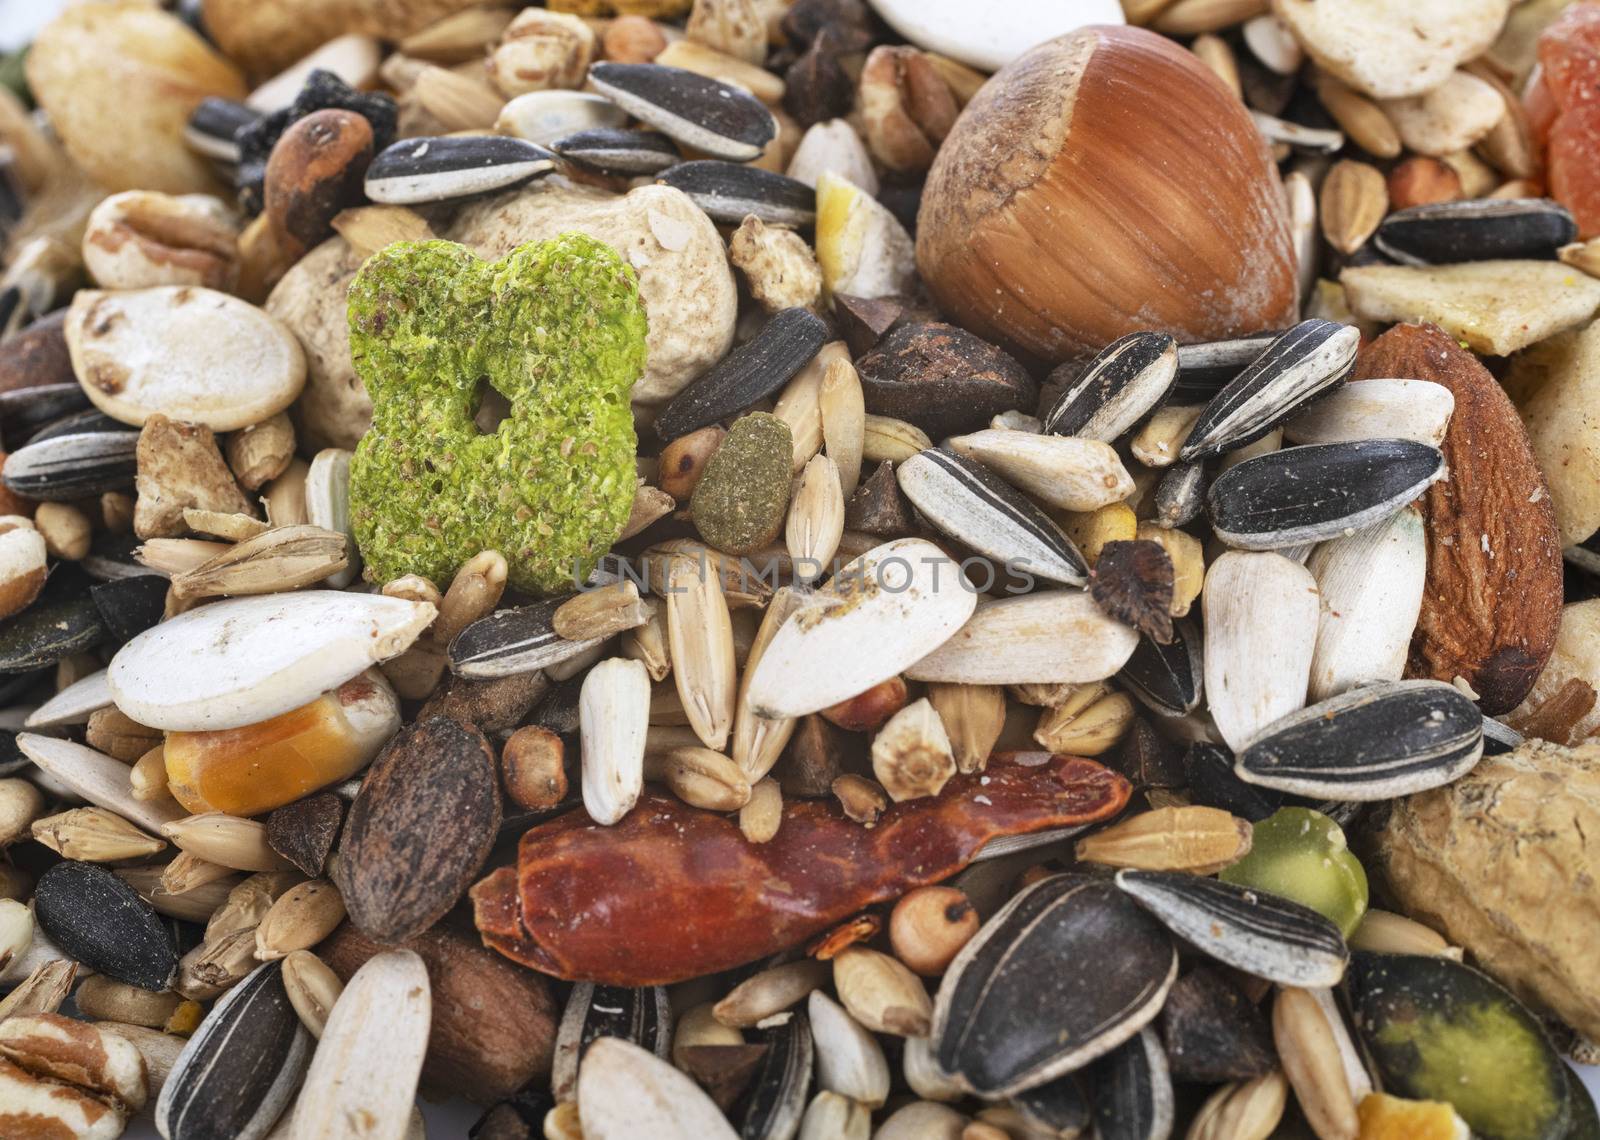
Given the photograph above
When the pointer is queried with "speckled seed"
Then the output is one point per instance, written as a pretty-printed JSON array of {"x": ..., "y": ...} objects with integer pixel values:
[
  {"x": 741, "y": 501},
  {"x": 98, "y": 920}
]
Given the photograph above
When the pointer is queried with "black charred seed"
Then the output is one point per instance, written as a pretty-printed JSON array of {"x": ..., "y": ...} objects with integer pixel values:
[
  {"x": 727, "y": 192},
  {"x": 1309, "y": 494},
  {"x": 879, "y": 507},
  {"x": 1208, "y": 772},
  {"x": 213, "y": 128},
  {"x": 1168, "y": 678},
  {"x": 51, "y": 629},
  {"x": 943, "y": 379},
  {"x": 1017, "y": 1010},
  {"x": 1133, "y": 582},
  {"x": 15, "y": 312},
  {"x": 862, "y": 321},
  {"x": 1296, "y": 368},
  {"x": 1213, "y": 1032},
  {"x": 976, "y": 507},
  {"x": 129, "y": 606},
  {"x": 1148, "y": 759},
  {"x": 641, "y": 1017},
  {"x": 419, "y": 170},
  {"x": 1181, "y": 495},
  {"x": 1264, "y": 935},
  {"x": 304, "y": 832},
  {"x": 517, "y": 640},
  {"x": 753, "y": 371},
  {"x": 1499, "y": 738},
  {"x": 242, "y": 1066},
  {"x": 1058, "y": 1107},
  {"x": 1205, "y": 369},
  {"x": 816, "y": 87},
  {"x": 322, "y": 90},
  {"x": 78, "y": 423},
  {"x": 1133, "y": 1097},
  {"x": 1375, "y": 742},
  {"x": 1479, "y": 229},
  {"x": 777, "y": 1095},
  {"x": 100, "y": 921},
  {"x": 73, "y": 466},
  {"x": 25, "y": 410},
  {"x": 704, "y": 115},
  {"x": 12, "y": 758},
  {"x": 619, "y": 151},
  {"x": 1127, "y": 381}
]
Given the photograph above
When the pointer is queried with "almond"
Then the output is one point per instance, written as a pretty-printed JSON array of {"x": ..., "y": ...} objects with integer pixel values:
[{"x": 1492, "y": 604}]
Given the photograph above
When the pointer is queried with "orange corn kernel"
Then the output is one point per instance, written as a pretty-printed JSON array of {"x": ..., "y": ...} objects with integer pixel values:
[{"x": 1386, "y": 1117}]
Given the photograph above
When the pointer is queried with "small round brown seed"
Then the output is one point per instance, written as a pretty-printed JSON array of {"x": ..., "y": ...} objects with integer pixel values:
[
  {"x": 868, "y": 711},
  {"x": 533, "y": 766},
  {"x": 929, "y": 926},
  {"x": 66, "y": 530}
]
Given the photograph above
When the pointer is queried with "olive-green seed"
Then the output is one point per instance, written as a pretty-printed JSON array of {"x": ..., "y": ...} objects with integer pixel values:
[
  {"x": 741, "y": 500},
  {"x": 1301, "y": 854}
]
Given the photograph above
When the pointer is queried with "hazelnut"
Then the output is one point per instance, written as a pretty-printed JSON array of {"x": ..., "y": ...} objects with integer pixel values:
[{"x": 929, "y": 926}]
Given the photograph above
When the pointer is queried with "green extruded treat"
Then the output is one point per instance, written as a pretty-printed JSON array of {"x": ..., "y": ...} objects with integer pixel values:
[
  {"x": 558, "y": 329},
  {"x": 740, "y": 502},
  {"x": 1302, "y": 855}
]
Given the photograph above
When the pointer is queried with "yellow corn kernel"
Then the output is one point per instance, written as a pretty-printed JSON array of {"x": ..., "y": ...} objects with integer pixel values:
[{"x": 1091, "y": 530}]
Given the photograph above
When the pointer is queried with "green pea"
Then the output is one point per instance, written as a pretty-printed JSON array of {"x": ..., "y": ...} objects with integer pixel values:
[{"x": 1302, "y": 855}]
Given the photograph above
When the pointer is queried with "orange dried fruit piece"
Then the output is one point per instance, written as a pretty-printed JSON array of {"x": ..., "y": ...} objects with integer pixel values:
[
  {"x": 1569, "y": 56},
  {"x": 249, "y": 770},
  {"x": 1573, "y": 170},
  {"x": 1385, "y": 1117}
]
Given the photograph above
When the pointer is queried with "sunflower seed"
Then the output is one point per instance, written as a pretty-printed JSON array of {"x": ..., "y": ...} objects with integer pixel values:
[
  {"x": 1499, "y": 738},
  {"x": 129, "y": 606},
  {"x": 704, "y": 115},
  {"x": 1255, "y": 672},
  {"x": 625, "y": 1091},
  {"x": 1011, "y": 1016},
  {"x": 98, "y": 778},
  {"x": 1181, "y": 495},
  {"x": 79, "y": 423},
  {"x": 1376, "y": 409},
  {"x": 751, "y": 372},
  {"x": 26, "y": 412},
  {"x": 1209, "y": 776},
  {"x": 1069, "y": 472},
  {"x": 729, "y": 192},
  {"x": 239, "y": 1071},
  {"x": 1314, "y": 139},
  {"x": 1127, "y": 380},
  {"x": 1059, "y": 1106},
  {"x": 1376, "y": 742},
  {"x": 414, "y": 171},
  {"x": 48, "y": 631},
  {"x": 1167, "y": 678},
  {"x": 1308, "y": 494},
  {"x": 312, "y": 988},
  {"x": 640, "y": 1016},
  {"x": 979, "y": 509},
  {"x": 1213, "y": 1031},
  {"x": 618, "y": 151},
  {"x": 214, "y": 123},
  {"x": 1204, "y": 369},
  {"x": 98, "y": 920},
  {"x": 73, "y": 466},
  {"x": 73, "y": 704},
  {"x": 613, "y": 711},
  {"x": 1264, "y": 935},
  {"x": 517, "y": 640},
  {"x": 1054, "y": 636},
  {"x": 1133, "y": 1091},
  {"x": 1479, "y": 229},
  {"x": 850, "y": 1061},
  {"x": 777, "y": 1095},
  {"x": 1297, "y": 367}
]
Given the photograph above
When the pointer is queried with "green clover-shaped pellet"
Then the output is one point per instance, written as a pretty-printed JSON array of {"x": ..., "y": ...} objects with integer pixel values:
[{"x": 558, "y": 329}]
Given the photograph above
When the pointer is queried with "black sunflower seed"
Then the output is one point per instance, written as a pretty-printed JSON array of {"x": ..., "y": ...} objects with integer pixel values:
[
  {"x": 1128, "y": 380},
  {"x": 976, "y": 507},
  {"x": 213, "y": 126},
  {"x": 129, "y": 606},
  {"x": 1147, "y": 758},
  {"x": 1262, "y": 934},
  {"x": 102, "y": 922},
  {"x": 1479, "y": 229},
  {"x": 1375, "y": 742},
  {"x": 1309, "y": 494},
  {"x": 1057, "y": 1107},
  {"x": 242, "y": 1066},
  {"x": 776, "y": 1099},
  {"x": 617, "y": 150},
  {"x": 1181, "y": 495},
  {"x": 113, "y": 556},
  {"x": 1133, "y": 1091},
  {"x": 704, "y": 115},
  {"x": 25, "y": 410},
  {"x": 73, "y": 466},
  {"x": 78, "y": 423},
  {"x": 1213, "y": 1032},
  {"x": 1296, "y": 368},
  {"x": 640, "y": 1016},
  {"x": 753, "y": 371},
  {"x": 1498, "y": 737},
  {"x": 53, "y": 628},
  {"x": 727, "y": 192},
  {"x": 1208, "y": 772},
  {"x": 414, "y": 171},
  {"x": 1017, "y": 1009},
  {"x": 517, "y": 640},
  {"x": 1205, "y": 369},
  {"x": 1170, "y": 678}
]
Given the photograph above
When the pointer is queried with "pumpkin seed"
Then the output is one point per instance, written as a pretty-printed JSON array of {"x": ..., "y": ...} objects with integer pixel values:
[{"x": 1300, "y": 854}]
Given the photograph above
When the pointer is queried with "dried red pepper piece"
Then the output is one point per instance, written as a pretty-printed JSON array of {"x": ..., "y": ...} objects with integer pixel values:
[{"x": 672, "y": 892}]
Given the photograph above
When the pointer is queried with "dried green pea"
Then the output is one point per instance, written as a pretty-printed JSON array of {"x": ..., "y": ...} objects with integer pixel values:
[{"x": 1302, "y": 855}]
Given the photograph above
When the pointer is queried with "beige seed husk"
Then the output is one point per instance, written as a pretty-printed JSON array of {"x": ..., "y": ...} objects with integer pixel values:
[
  {"x": 844, "y": 420},
  {"x": 1141, "y": 12},
  {"x": 881, "y": 993},
  {"x": 1090, "y": 723},
  {"x": 458, "y": 38},
  {"x": 259, "y": 454},
  {"x": 1193, "y": 17},
  {"x": 562, "y": 1123},
  {"x": 1367, "y": 124},
  {"x": 761, "y": 817},
  {"x": 699, "y": 1026},
  {"x": 700, "y": 633},
  {"x": 800, "y": 404},
  {"x": 369, "y": 228},
  {"x": 1354, "y": 200},
  {"x": 1309, "y": 1052},
  {"x": 285, "y": 558},
  {"x": 770, "y": 992},
  {"x": 116, "y": 512},
  {"x": 313, "y": 987},
  {"x": 248, "y": 902},
  {"x": 195, "y": 905},
  {"x": 699, "y": 777},
  {"x": 20, "y": 804},
  {"x": 114, "y": 732},
  {"x": 106, "y": 999},
  {"x": 758, "y": 741},
  {"x": 650, "y": 504},
  {"x": 816, "y": 518},
  {"x": 1213, "y": 51},
  {"x": 174, "y": 556},
  {"x": 973, "y": 716},
  {"x": 1201, "y": 840},
  {"x": 147, "y": 779},
  {"x": 285, "y": 499},
  {"x": 1052, "y": 695},
  {"x": 741, "y": 584},
  {"x": 300, "y": 918},
  {"x": 1384, "y": 932},
  {"x": 94, "y": 835},
  {"x": 189, "y": 872},
  {"x": 911, "y": 754},
  {"x": 863, "y": 800},
  {"x": 459, "y": 103},
  {"x": 1157, "y": 443},
  {"x": 604, "y": 612},
  {"x": 647, "y": 642},
  {"x": 42, "y": 991},
  {"x": 211, "y": 968},
  {"x": 884, "y": 438},
  {"x": 226, "y": 839},
  {"x": 1247, "y": 1111},
  {"x": 65, "y": 528},
  {"x": 474, "y": 592}
]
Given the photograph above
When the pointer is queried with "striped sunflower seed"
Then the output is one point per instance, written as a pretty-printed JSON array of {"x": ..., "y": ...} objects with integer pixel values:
[
  {"x": 1264, "y": 935},
  {"x": 618, "y": 151},
  {"x": 1199, "y": 840},
  {"x": 1181, "y": 495},
  {"x": 1204, "y": 369},
  {"x": 1070, "y": 472},
  {"x": 1050, "y": 636},
  {"x": 777, "y": 1094},
  {"x": 613, "y": 712},
  {"x": 703, "y": 114},
  {"x": 416, "y": 171},
  {"x": 641, "y": 1017},
  {"x": 1133, "y": 1096},
  {"x": 94, "y": 835},
  {"x": 1298, "y": 366},
  {"x": 1376, "y": 742},
  {"x": 510, "y": 641},
  {"x": 1168, "y": 678},
  {"x": 729, "y": 192},
  {"x": 1128, "y": 380},
  {"x": 1478, "y": 229},
  {"x": 73, "y": 466}
]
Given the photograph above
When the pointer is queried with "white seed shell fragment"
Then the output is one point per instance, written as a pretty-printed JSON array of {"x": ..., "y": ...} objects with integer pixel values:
[
  {"x": 243, "y": 660},
  {"x": 613, "y": 716},
  {"x": 1069, "y": 472},
  {"x": 626, "y": 1093},
  {"x": 1261, "y": 615},
  {"x": 328, "y": 506},
  {"x": 850, "y": 1061},
  {"x": 1051, "y": 637},
  {"x": 73, "y": 704},
  {"x": 98, "y": 778},
  {"x": 1376, "y": 409}
]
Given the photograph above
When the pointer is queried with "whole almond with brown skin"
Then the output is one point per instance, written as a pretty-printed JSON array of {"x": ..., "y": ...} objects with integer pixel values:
[
  {"x": 1492, "y": 603},
  {"x": 398, "y": 878},
  {"x": 494, "y": 1025}
]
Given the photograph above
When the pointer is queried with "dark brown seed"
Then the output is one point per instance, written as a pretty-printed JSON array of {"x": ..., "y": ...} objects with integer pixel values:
[
  {"x": 1149, "y": 759},
  {"x": 724, "y": 1071},
  {"x": 816, "y": 86},
  {"x": 879, "y": 506},
  {"x": 943, "y": 379},
  {"x": 37, "y": 355},
  {"x": 398, "y": 879},
  {"x": 496, "y": 705},
  {"x": 1213, "y": 1033},
  {"x": 316, "y": 170},
  {"x": 846, "y": 19},
  {"x": 304, "y": 832},
  {"x": 1133, "y": 583},
  {"x": 817, "y": 754},
  {"x": 862, "y": 321}
]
